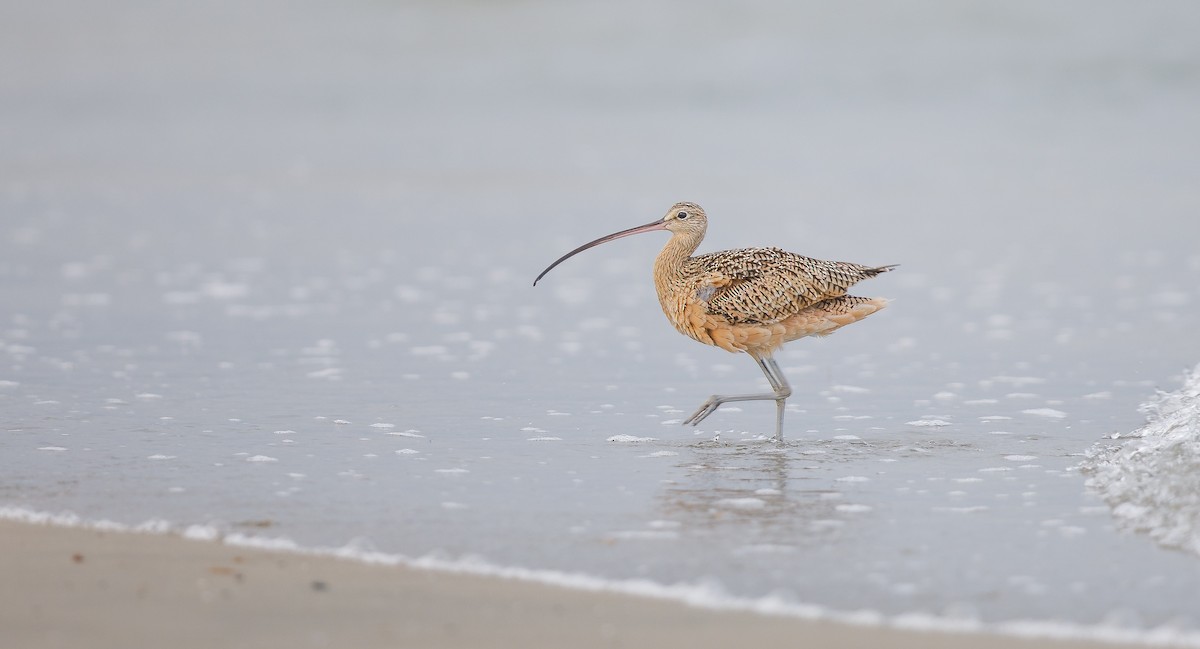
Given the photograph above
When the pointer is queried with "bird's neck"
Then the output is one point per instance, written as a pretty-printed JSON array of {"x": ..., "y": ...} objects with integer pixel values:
[{"x": 668, "y": 266}]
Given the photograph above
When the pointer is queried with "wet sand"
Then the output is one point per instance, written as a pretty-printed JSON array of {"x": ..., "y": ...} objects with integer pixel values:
[{"x": 68, "y": 587}]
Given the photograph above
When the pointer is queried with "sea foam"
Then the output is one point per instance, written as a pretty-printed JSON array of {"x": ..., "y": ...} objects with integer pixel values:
[{"x": 1151, "y": 477}]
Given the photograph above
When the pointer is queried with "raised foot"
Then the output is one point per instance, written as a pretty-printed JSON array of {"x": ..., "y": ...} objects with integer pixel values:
[{"x": 706, "y": 409}]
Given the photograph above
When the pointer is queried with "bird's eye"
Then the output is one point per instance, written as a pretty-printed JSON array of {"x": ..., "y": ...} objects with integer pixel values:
[{"x": 681, "y": 215}]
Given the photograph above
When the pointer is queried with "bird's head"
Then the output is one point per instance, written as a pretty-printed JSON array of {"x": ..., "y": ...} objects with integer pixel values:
[
  {"x": 686, "y": 218},
  {"x": 683, "y": 218}
]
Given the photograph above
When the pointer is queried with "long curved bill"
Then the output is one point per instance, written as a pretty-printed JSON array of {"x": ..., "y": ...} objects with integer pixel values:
[{"x": 658, "y": 224}]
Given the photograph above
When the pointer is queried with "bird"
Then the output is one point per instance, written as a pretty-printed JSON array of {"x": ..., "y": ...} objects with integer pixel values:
[{"x": 749, "y": 300}]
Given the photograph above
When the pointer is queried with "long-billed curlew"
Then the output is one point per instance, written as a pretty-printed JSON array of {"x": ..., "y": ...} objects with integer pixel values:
[{"x": 750, "y": 300}]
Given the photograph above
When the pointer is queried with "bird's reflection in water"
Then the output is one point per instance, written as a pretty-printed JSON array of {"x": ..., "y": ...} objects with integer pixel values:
[
  {"x": 768, "y": 493},
  {"x": 784, "y": 496}
]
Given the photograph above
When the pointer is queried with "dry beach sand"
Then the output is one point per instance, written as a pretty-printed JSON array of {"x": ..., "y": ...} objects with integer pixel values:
[{"x": 69, "y": 587}]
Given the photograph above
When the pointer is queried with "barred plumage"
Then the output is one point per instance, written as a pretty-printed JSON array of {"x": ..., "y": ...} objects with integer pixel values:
[
  {"x": 767, "y": 285},
  {"x": 750, "y": 300}
]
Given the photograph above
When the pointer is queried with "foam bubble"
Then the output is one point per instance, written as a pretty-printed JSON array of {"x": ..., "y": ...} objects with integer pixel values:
[
  {"x": 643, "y": 535},
  {"x": 629, "y": 439},
  {"x": 1045, "y": 412},
  {"x": 741, "y": 503},
  {"x": 1016, "y": 381},
  {"x": 850, "y": 389},
  {"x": 928, "y": 423}
]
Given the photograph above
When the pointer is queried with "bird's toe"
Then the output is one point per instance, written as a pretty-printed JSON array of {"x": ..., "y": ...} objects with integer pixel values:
[{"x": 706, "y": 409}]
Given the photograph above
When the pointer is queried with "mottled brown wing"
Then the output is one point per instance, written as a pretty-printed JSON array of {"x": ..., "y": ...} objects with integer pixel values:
[{"x": 766, "y": 285}]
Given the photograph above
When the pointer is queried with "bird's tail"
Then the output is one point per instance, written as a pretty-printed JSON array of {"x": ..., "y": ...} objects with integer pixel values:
[{"x": 871, "y": 272}]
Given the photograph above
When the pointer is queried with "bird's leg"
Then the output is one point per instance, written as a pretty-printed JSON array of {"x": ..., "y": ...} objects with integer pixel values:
[
  {"x": 779, "y": 385},
  {"x": 782, "y": 392}
]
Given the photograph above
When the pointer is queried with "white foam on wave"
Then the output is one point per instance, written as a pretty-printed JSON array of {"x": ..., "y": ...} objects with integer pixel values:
[
  {"x": 1151, "y": 478},
  {"x": 706, "y": 593}
]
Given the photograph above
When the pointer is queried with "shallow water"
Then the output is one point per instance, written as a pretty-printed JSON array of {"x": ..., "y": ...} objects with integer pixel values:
[{"x": 282, "y": 286}]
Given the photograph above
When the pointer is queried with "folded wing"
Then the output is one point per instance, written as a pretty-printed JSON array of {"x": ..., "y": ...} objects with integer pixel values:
[{"x": 768, "y": 285}]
